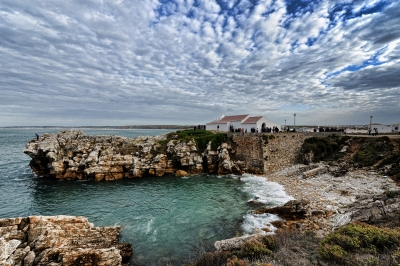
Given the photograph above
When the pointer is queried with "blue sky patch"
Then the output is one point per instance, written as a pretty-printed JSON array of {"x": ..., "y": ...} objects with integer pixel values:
[
  {"x": 372, "y": 61},
  {"x": 346, "y": 10}
]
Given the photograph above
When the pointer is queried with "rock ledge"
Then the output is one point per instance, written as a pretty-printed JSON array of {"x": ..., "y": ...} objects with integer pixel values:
[{"x": 59, "y": 240}]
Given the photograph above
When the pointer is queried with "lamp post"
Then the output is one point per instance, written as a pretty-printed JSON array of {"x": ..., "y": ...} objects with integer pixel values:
[
  {"x": 294, "y": 117},
  {"x": 370, "y": 121},
  {"x": 285, "y": 122}
]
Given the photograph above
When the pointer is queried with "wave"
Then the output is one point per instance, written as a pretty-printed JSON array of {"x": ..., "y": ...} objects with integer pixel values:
[{"x": 270, "y": 194}]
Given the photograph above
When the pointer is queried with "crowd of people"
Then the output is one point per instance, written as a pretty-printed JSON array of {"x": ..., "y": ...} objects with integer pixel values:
[
  {"x": 255, "y": 130},
  {"x": 373, "y": 132}
]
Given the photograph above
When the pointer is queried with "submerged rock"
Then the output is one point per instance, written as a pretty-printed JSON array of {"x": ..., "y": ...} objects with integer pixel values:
[{"x": 60, "y": 240}]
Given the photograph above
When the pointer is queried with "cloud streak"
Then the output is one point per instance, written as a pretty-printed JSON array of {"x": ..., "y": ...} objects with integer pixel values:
[{"x": 186, "y": 62}]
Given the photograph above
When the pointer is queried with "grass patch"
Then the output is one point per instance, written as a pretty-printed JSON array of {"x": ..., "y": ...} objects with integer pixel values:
[
  {"x": 200, "y": 137},
  {"x": 372, "y": 150}
]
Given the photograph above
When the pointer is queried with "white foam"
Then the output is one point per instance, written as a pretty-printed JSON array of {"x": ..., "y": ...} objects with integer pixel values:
[
  {"x": 148, "y": 227},
  {"x": 254, "y": 223},
  {"x": 269, "y": 193}
]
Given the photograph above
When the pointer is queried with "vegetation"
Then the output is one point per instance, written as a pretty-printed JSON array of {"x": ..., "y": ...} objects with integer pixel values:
[
  {"x": 267, "y": 137},
  {"x": 325, "y": 148},
  {"x": 393, "y": 163},
  {"x": 361, "y": 244},
  {"x": 354, "y": 244},
  {"x": 372, "y": 150},
  {"x": 201, "y": 138},
  {"x": 284, "y": 248}
]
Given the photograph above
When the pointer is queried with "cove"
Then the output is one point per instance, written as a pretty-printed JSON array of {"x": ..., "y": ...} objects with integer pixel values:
[{"x": 167, "y": 219}]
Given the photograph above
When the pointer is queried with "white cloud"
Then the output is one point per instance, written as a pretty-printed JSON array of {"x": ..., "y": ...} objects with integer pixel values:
[{"x": 181, "y": 62}]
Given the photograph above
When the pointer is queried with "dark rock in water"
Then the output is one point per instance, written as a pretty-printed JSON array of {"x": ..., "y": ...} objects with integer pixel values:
[
  {"x": 60, "y": 240},
  {"x": 255, "y": 203},
  {"x": 292, "y": 210}
]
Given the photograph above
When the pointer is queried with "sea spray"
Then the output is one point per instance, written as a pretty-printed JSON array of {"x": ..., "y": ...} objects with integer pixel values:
[{"x": 270, "y": 194}]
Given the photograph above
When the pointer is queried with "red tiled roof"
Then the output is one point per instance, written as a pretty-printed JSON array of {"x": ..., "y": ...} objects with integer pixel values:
[
  {"x": 252, "y": 120},
  {"x": 229, "y": 118}
]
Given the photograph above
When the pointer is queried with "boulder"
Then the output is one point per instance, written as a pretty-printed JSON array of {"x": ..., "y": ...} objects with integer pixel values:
[
  {"x": 60, "y": 240},
  {"x": 235, "y": 243},
  {"x": 291, "y": 210},
  {"x": 180, "y": 173}
]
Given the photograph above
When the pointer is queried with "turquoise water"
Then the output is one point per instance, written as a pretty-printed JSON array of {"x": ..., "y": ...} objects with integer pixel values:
[{"x": 167, "y": 219}]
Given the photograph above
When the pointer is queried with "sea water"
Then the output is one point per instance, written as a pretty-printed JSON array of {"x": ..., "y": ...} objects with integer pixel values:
[{"x": 166, "y": 219}]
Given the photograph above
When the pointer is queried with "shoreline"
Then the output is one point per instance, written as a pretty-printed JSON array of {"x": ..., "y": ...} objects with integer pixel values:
[{"x": 328, "y": 196}]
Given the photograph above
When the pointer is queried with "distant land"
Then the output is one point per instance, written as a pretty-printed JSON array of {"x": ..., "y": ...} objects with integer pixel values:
[{"x": 114, "y": 127}]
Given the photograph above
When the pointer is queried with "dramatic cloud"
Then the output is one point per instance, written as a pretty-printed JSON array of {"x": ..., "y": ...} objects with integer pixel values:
[{"x": 108, "y": 62}]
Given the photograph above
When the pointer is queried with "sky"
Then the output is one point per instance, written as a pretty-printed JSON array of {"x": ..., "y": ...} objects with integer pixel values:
[{"x": 143, "y": 62}]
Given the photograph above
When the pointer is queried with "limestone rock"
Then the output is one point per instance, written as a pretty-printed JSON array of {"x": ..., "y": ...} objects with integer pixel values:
[
  {"x": 235, "y": 243},
  {"x": 181, "y": 173},
  {"x": 60, "y": 240}
]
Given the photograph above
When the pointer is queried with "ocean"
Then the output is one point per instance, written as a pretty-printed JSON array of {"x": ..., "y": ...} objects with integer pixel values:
[{"x": 166, "y": 219}]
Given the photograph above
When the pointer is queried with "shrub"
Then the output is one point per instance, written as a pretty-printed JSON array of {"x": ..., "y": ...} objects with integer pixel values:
[
  {"x": 270, "y": 242},
  {"x": 237, "y": 262},
  {"x": 372, "y": 150},
  {"x": 254, "y": 249},
  {"x": 332, "y": 252},
  {"x": 217, "y": 258},
  {"x": 324, "y": 147},
  {"x": 359, "y": 238}
]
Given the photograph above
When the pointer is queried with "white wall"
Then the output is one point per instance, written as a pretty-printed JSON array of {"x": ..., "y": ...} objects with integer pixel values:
[
  {"x": 236, "y": 124},
  {"x": 211, "y": 126},
  {"x": 222, "y": 127},
  {"x": 249, "y": 126},
  {"x": 268, "y": 123},
  {"x": 383, "y": 128}
]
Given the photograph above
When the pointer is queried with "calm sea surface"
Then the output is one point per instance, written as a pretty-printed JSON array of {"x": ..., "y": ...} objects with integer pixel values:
[{"x": 167, "y": 219}]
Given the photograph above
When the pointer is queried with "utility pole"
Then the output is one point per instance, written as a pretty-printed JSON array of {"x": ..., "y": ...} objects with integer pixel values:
[
  {"x": 370, "y": 122},
  {"x": 294, "y": 117}
]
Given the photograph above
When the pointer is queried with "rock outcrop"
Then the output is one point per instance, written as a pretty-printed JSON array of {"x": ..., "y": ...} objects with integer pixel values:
[
  {"x": 71, "y": 154},
  {"x": 59, "y": 240}
]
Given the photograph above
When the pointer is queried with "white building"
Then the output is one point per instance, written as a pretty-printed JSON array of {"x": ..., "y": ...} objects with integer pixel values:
[
  {"x": 381, "y": 128},
  {"x": 241, "y": 121}
]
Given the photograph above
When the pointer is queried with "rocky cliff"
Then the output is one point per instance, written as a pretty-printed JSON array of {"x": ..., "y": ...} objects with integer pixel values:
[
  {"x": 59, "y": 240},
  {"x": 71, "y": 154}
]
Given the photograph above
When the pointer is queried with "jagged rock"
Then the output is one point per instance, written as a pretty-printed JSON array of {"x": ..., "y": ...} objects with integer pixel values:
[
  {"x": 291, "y": 210},
  {"x": 60, "y": 240},
  {"x": 71, "y": 154},
  {"x": 29, "y": 258},
  {"x": 235, "y": 243},
  {"x": 181, "y": 173},
  {"x": 372, "y": 210}
]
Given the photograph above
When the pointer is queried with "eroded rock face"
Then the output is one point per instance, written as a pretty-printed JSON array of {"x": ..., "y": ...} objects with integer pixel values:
[
  {"x": 59, "y": 240},
  {"x": 71, "y": 154}
]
